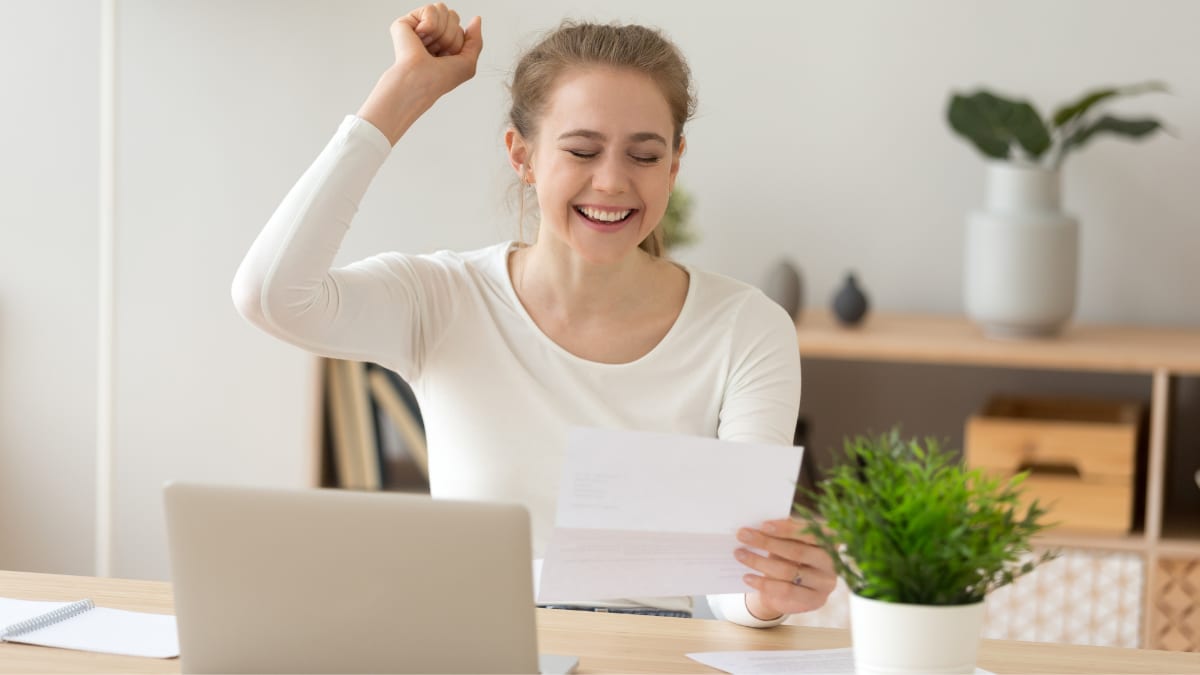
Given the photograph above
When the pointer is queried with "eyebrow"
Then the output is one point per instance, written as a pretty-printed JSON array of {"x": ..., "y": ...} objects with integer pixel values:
[{"x": 597, "y": 136}]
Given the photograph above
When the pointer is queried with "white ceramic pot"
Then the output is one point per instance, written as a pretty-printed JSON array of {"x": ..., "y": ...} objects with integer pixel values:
[
  {"x": 1021, "y": 264},
  {"x": 893, "y": 638}
]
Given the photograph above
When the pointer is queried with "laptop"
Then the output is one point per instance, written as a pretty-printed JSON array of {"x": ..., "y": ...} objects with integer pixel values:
[{"x": 322, "y": 581}]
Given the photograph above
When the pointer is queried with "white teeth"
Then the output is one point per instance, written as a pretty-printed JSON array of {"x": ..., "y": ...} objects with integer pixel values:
[{"x": 605, "y": 216}]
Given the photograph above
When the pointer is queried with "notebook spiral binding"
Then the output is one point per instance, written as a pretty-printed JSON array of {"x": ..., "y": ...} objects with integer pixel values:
[{"x": 47, "y": 619}]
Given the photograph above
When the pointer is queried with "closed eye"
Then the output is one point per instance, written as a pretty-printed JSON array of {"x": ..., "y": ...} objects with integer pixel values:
[{"x": 640, "y": 159}]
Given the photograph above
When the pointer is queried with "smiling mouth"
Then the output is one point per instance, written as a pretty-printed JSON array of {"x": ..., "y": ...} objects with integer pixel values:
[{"x": 604, "y": 217}]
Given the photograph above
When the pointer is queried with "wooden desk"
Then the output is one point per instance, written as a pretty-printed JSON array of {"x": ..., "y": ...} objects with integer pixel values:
[{"x": 603, "y": 642}]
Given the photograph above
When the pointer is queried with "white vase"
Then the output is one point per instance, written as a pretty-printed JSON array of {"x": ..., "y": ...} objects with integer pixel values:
[
  {"x": 892, "y": 638},
  {"x": 1021, "y": 265}
]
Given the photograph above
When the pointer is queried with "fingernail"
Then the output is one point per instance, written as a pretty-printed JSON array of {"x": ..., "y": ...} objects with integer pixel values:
[
  {"x": 740, "y": 554},
  {"x": 769, "y": 528},
  {"x": 751, "y": 580},
  {"x": 744, "y": 535}
]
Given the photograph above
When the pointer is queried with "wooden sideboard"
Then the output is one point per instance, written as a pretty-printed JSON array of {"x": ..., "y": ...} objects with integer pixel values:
[{"x": 1167, "y": 549}]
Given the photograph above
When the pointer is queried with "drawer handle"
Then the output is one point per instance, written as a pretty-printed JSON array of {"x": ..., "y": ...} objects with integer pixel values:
[{"x": 1050, "y": 469}]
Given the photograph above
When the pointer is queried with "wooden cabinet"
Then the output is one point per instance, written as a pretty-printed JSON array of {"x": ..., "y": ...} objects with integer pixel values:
[{"x": 1166, "y": 545}]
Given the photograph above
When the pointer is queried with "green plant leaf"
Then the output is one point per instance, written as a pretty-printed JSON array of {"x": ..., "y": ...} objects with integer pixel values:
[
  {"x": 1129, "y": 128},
  {"x": 972, "y": 118},
  {"x": 1029, "y": 130},
  {"x": 904, "y": 521},
  {"x": 993, "y": 123},
  {"x": 1072, "y": 111}
]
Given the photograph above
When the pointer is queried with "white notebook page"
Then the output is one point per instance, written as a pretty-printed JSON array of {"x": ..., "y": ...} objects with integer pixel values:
[{"x": 102, "y": 629}]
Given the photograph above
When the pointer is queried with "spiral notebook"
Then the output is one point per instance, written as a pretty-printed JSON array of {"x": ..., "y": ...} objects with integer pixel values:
[{"x": 84, "y": 626}]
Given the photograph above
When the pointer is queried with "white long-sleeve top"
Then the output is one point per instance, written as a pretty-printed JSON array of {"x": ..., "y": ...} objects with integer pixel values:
[{"x": 497, "y": 395}]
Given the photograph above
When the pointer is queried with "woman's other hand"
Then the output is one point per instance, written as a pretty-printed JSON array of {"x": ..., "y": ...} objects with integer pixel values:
[{"x": 794, "y": 576}]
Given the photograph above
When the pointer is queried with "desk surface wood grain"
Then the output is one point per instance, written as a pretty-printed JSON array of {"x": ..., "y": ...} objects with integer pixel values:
[{"x": 603, "y": 642}]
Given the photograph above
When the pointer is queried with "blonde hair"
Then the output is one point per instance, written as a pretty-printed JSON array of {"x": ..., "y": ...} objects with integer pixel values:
[{"x": 575, "y": 45}]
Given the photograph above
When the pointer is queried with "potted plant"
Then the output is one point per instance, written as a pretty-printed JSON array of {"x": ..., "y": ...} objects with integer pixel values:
[
  {"x": 920, "y": 541},
  {"x": 676, "y": 221},
  {"x": 1021, "y": 249}
]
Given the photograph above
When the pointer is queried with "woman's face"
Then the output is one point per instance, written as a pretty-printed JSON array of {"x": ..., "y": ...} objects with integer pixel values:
[{"x": 602, "y": 162}]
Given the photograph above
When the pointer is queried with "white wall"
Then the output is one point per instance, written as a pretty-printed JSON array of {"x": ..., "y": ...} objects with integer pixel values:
[
  {"x": 820, "y": 137},
  {"x": 48, "y": 268}
]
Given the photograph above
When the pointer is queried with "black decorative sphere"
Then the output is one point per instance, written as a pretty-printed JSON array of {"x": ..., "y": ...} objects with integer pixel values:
[{"x": 850, "y": 303}]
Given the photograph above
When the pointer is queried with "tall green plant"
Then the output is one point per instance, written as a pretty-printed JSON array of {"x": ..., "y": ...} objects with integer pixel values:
[
  {"x": 906, "y": 522},
  {"x": 994, "y": 125}
]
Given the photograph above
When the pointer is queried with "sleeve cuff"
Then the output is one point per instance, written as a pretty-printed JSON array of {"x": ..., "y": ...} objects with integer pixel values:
[
  {"x": 732, "y": 607},
  {"x": 355, "y": 127}
]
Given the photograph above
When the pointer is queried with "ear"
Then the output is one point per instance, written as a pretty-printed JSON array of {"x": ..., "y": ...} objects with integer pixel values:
[
  {"x": 675, "y": 160},
  {"x": 519, "y": 154}
]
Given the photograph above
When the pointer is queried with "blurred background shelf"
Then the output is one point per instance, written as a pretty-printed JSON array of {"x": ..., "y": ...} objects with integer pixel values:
[{"x": 862, "y": 379}]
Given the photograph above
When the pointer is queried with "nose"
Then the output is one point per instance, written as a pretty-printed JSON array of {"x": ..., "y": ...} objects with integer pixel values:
[{"x": 610, "y": 175}]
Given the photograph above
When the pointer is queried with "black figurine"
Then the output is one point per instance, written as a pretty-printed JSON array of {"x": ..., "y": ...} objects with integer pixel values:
[{"x": 850, "y": 303}]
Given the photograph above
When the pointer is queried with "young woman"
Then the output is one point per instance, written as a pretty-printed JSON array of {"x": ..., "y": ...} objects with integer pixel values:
[{"x": 589, "y": 325}]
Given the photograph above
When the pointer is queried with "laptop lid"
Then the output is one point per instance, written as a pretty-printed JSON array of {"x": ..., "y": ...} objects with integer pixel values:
[{"x": 319, "y": 581}]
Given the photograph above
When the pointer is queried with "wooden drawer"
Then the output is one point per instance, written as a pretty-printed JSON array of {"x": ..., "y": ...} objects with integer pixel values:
[
  {"x": 1077, "y": 505},
  {"x": 1081, "y": 456}
]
